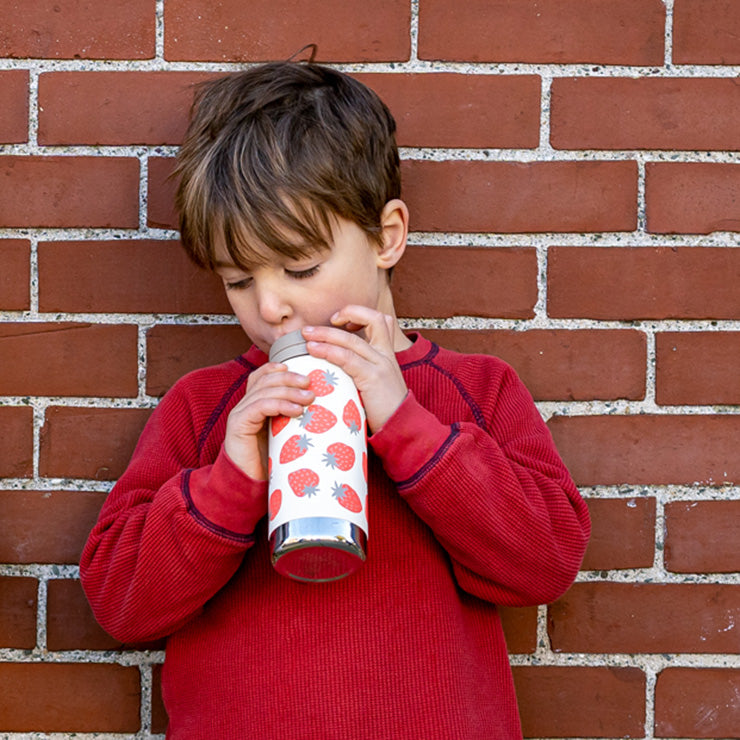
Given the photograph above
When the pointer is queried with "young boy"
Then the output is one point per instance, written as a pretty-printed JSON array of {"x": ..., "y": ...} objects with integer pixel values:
[{"x": 289, "y": 190}]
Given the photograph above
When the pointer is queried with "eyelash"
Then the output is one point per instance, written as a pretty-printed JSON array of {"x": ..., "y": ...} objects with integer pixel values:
[{"x": 295, "y": 274}]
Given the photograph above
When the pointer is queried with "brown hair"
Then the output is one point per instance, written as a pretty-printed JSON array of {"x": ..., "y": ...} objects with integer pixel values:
[{"x": 272, "y": 153}]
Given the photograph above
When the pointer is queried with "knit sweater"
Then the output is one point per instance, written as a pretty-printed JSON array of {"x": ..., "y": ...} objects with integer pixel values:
[{"x": 469, "y": 507}]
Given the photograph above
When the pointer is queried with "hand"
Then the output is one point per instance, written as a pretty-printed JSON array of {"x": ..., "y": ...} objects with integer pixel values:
[
  {"x": 272, "y": 390},
  {"x": 363, "y": 348}
]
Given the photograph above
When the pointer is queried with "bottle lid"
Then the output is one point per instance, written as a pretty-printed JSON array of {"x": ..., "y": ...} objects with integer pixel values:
[{"x": 289, "y": 345}]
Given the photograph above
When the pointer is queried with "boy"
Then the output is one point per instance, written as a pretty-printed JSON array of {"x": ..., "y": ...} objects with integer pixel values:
[{"x": 290, "y": 190}]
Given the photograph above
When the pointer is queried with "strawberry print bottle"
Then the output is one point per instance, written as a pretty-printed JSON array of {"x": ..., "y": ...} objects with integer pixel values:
[{"x": 317, "y": 507}]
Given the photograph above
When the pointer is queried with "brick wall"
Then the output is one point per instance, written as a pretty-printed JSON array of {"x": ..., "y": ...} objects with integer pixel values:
[{"x": 573, "y": 176}]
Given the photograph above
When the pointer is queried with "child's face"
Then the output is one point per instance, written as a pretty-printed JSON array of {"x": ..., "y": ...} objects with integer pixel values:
[{"x": 282, "y": 294}]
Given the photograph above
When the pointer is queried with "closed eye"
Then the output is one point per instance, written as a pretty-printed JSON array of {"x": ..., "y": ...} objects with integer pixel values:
[
  {"x": 239, "y": 284},
  {"x": 303, "y": 274}
]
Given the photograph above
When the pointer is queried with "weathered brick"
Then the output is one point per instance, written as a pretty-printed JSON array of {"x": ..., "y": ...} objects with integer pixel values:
[
  {"x": 67, "y": 29},
  {"x": 151, "y": 276},
  {"x": 449, "y": 281},
  {"x": 18, "y": 600},
  {"x": 645, "y": 618},
  {"x": 649, "y": 449},
  {"x": 69, "y": 191},
  {"x": 68, "y": 359},
  {"x": 645, "y": 113},
  {"x": 13, "y": 106},
  {"x": 519, "y": 197},
  {"x": 706, "y": 32},
  {"x": 702, "y": 536},
  {"x": 697, "y": 368},
  {"x": 622, "y": 533},
  {"x": 173, "y": 351},
  {"x": 557, "y": 364},
  {"x": 115, "y": 108},
  {"x": 89, "y": 442},
  {"x": 580, "y": 701},
  {"x": 15, "y": 274},
  {"x": 264, "y": 30},
  {"x": 161, "y": 193},
  {"x": 461, "y": 110},
  {"x": 567, "y": 31},
  {"x": 692, "y": 197},
  {"x": 520, "y": 628},
  {"x": 643, "y": 283},
  {"x": 16, "y": 441},
  {"x": 697, "y": 702},
  {"x": 69, "y": 697},
  {"x": 46, "y": 526},
  {"x": 159, "y": 713}
]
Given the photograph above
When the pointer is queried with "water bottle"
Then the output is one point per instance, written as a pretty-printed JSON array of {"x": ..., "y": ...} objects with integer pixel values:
[{"x": 317, "y": 506}]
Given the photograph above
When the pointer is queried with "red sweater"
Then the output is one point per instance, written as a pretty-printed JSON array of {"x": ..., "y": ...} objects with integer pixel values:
[{"x": 470, "y": 506}]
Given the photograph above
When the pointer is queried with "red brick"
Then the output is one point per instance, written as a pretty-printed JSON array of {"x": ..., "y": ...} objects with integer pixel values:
[
  {"x": 520, "y": 628},
  {"x": 570, "y": 701},
  {"x": 69, "y": 697},
  {"x": 555, "y": 364},
  {"x": 46, "y": 526},
  {"x": 645, "y": 113},
  {"x": 697, "y": 703},
  {"x": 521, "y": 197},
  {"x": 16, "y": 441},
  {"x": 18, "y": 599},
  {"x": 643, "y": 283},
  {"x": 622, "y": 533},
  {"x": 646, "y": 618},
  {"x": 13, "y": 106},
  {"x": 89, "y": 443},
  {"x": 562, "y": 32},
  {"x": 702, "y": 536},
  {"x": 159, "y": 713},
  {"x": 461, "y": 110},
  {"x": 173, "y": 351},
  {"x": 161, "y": 194},
  {"x": 151, "y": 276},
  {"x": 15, "y": 274},
  {"x": 264, "y": 30},
  {"x": 706, "y": 32},
  {"x": 69, "y": 191},
  {"x": 466, "y": 281},
  {"x": 692, "y": 197},
  {"x": 697, "y": 368},
  {"x": 68, "y": 359},
  {"x": 115, "y": 108},
  {"x": 646, "y": 449},
  {"x": 67, "y": 29}
]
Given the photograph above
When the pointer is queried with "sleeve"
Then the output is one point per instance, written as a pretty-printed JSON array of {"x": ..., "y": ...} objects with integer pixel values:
[
  {"x": 499, "y": 499},
  {"x": 170, "y": 533}
]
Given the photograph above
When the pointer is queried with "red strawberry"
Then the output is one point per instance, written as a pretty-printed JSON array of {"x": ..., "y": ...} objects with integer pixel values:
[
  {"x": 339, "y": 455},
  {"x": 351, "y": 417},
  {"x": 276, "y": 499},
  {"x": 364, "y": 465},
  {"x": 317, "y": 419},
  {"x": 347, "y": 496},
  {"x": 322, "y": 382},
  {"x": 304, "y": 482},
  {"x": 296, "y": 446},
  {"x": 278, "y": 423}
]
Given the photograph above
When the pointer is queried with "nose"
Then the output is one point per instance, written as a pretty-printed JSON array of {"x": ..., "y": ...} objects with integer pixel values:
[{"x": 272, "y": 303}]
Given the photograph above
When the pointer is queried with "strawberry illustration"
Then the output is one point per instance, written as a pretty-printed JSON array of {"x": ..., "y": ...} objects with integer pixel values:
[
  {"x": 296, "y": 446},
  {"x": 317, "y": 419},
  {"x": 347, "y": 496},
  {"x": 304, "y": 482},
  {"x": 351, "y": 417},
  {"x": 322, "y": 382},
  {"x": 278, "y": 423},
  {"x": 276, "y": 499},
  {"x": 364, "y": 465},
  {"x": 339, "y": 455}
]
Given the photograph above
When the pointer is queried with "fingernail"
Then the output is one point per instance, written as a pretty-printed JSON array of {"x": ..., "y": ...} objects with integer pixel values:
[{"x": 308, "y": 329}]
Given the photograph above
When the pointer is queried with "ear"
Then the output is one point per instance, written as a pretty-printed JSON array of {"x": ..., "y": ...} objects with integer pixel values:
[{"x": 394, "y": 221}]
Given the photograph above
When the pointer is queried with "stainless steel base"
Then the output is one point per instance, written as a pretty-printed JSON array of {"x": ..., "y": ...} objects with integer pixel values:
[{"x": 318, "y": 549}]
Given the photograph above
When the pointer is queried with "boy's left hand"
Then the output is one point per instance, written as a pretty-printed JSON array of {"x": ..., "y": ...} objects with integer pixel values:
[{"x": 364, "y": 349}]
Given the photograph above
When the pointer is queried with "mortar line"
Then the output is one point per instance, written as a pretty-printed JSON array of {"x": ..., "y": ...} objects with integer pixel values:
[
  {"x": 414, "y": 31},
  {"x": 668, "y": 37}
]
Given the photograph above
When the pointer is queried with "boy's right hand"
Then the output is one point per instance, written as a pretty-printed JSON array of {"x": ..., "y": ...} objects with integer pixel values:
[{"x": 272, "y": 390}]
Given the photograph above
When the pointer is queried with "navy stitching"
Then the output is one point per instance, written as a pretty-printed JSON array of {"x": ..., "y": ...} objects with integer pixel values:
[{"x": 455, "y": 431}]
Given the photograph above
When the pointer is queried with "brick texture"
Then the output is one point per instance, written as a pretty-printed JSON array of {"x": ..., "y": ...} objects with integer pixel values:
[
  {"x": 14, "y": 106},
  {"x": 643, "y": 283},
  {"x": 702, "y": 536},
  {"x": 18, "y": 598},
  {"x": 15, "y": 274},
  {"x": 520, "y": 628},
  {"x": 161, "y": 193},
  {"x": 563, "y": 32},
  {"x": 16, "y": 441},
  {"x": 375, "y": 30},
  {"x": 645, "y": 113},
  {"x": 706, "y": 32}
]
